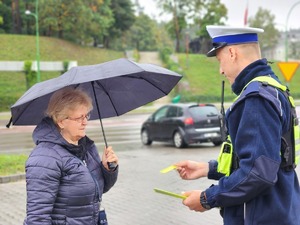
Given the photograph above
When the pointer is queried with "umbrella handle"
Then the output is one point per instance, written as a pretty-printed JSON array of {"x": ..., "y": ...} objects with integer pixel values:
[{"x": 111, "y": 165}]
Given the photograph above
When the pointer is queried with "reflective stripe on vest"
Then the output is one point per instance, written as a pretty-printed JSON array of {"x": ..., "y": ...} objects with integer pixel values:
[{"x": 297, "y": 141}]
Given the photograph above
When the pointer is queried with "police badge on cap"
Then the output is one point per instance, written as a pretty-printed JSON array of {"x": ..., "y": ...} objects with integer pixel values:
[{"x": 225, "y": 35}]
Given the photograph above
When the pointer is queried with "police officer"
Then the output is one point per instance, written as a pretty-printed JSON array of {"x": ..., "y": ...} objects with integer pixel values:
[{"x": 262, "y": 186}]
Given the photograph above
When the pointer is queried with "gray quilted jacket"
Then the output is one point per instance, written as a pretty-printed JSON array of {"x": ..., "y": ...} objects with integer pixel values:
[{"x": 64, "y": 182}]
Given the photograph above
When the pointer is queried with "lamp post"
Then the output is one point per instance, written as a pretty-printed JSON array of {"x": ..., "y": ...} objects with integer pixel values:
[
  {"x": 36, "y": 16},
  {"x": 187, "y": 49},
  {"x": 286, "y": 30}
]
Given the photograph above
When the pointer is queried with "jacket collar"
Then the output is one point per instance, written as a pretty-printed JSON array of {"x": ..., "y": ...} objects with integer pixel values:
[
  {"x": 47, "y": 131},
  {"x": 255, "y": 69}
]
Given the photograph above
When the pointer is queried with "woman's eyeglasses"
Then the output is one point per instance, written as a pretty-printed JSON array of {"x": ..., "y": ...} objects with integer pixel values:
[{"x": 80, "y": 119}]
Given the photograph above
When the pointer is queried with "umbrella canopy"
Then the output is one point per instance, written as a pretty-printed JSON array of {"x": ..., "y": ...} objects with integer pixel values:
[{"x": 116, "y": 87}]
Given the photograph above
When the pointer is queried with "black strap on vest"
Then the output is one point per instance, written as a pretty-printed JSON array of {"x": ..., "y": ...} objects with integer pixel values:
[{"x": 287, "y": 141}]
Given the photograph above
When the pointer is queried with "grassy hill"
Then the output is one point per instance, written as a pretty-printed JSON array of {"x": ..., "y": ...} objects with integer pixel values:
[
  {"x": 23, "y": 47},
  {"x": 202, "y": 74}
]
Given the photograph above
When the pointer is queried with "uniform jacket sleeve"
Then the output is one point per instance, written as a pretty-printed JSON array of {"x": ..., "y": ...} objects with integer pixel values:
[
  {"x": 255, "y": 129},
  {"x": 213, "y": 170}
]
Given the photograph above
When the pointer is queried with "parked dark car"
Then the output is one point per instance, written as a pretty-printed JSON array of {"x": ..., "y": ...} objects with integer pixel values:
[{"x": 184, "y": 124}]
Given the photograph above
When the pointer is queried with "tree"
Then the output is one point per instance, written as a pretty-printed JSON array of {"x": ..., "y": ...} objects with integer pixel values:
[
  {"x": 17, "y": 26},
  {"x": 201, "y": 12},
  {"x": 80, "y": 21},
  {"x": 1, "y": 18},
  {"x": 179, "y": 10},
  {"x": 6, "y": 18},
  {"x": 163, "y": 39},
  {"x": 265, "y": 20},
  {"x": 210, "y": 12},
  {"x": 142, "y": 33},
  {"x": 102, "y": 20},
  {"x": 61, "y": 16},
  {"x": 124, "y": 17}
]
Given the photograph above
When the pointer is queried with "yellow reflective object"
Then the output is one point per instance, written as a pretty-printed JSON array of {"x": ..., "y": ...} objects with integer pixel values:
[
  {"x": 168, "y": 169},
  {"x": 225, "y": 158},
  {"x": 297, "y": 142}
]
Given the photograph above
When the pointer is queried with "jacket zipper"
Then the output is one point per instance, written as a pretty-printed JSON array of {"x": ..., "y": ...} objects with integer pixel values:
[{"x": 97, "y": 189}]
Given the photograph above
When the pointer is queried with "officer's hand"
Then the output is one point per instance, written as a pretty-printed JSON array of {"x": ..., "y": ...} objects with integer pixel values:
[
  {"x": 193, "y": 200},
  {"x": 190, "y": 170}
]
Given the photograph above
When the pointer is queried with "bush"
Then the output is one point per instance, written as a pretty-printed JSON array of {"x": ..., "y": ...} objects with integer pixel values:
[
  {"x": 65, "y": 65},
  {"x": 29, "y": 74}
]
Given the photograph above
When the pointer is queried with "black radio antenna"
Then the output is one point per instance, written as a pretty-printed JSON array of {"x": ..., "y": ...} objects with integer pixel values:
[{"x": 222, "y": 116}]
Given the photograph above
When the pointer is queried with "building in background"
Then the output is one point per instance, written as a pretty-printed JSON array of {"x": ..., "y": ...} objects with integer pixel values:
[{"x": 278, "y": 52}]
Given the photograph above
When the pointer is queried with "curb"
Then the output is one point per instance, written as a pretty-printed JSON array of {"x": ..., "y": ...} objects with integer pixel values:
[{"x": 12, "y": 178}]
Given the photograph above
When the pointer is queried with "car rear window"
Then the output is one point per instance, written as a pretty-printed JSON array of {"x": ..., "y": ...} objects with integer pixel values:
[{"x": 203, "y": 111}]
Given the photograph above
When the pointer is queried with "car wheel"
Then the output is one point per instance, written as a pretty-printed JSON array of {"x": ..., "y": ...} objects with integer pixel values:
[
  {"x": 178, "y": 140},
  {"x": 145, "y": 137},
  {"x": 217, "y": 143}
]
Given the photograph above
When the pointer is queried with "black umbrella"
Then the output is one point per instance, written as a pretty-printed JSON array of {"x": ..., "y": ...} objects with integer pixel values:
[{"x": 116, "y": 87}]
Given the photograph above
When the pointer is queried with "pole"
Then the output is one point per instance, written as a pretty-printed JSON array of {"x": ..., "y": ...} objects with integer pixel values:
[
  {"x": 286, "y": 30},
  {"x": 36, "y": 17},
  {"x": 187, "y": 50},
  {"x": 37, "y": 40}
]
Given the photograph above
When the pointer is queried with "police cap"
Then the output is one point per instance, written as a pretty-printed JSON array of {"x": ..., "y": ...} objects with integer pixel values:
[{"x": 226, "y": 35}]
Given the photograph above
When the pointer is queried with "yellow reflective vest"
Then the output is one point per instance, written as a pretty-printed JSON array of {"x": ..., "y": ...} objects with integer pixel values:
[{"x": 290, "y": 155}]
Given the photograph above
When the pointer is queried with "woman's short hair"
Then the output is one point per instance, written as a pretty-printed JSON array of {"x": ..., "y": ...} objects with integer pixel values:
[{"x": 65, "y": 100}]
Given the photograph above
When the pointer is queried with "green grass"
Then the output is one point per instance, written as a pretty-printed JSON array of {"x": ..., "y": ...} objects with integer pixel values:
[
  {"x": 202, "y": 74},
  {"x": 23, "y": 48},
  {"x": 12, "y": 164}
]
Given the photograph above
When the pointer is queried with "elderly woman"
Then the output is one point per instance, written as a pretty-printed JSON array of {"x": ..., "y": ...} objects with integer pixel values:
[{"x": 64, "y": 174}]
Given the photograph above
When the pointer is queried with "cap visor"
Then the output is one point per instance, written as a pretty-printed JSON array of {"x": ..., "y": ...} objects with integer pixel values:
[
  {"x": 211, "y": 53},
  {"x": 216, "y": 46}
]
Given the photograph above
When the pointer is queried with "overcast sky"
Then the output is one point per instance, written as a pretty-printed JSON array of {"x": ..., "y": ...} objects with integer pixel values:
[{"x": 236, "y": 10}]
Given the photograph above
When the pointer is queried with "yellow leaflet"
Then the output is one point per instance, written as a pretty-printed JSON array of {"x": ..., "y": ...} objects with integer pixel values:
[
  {"x": 168, "y": 169},
  {"x": 169, "y": 193}
]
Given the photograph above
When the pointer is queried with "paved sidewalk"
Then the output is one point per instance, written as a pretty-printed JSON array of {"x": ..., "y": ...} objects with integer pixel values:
[
  {"x": 132, "y": 200},
  {"x": 13, "y": 203}
]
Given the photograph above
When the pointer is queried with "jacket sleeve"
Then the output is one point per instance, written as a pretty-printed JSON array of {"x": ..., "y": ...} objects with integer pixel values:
[
  {"x": 106, "y": 179},
  {"x": 43, "y": 174},
  {"x": 255, "y": 128},
  {"x": 213, "y": 173},
  {"x": 110, "y": 178}
]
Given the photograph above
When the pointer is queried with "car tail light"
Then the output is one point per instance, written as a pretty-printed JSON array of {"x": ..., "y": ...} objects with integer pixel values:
[{"x": 189, "y": 121}]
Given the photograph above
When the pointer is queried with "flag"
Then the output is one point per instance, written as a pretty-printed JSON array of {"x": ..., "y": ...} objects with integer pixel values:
[{"x": 246, "y": 15}]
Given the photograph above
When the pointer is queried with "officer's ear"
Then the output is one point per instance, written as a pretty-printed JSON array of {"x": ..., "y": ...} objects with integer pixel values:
[{"x": 232, "y": 52}]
